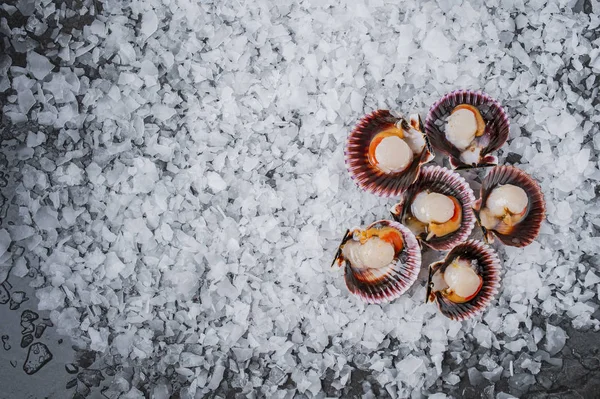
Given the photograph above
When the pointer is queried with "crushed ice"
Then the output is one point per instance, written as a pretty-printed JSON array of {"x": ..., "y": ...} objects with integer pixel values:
[{"x": 178, "y": 171}]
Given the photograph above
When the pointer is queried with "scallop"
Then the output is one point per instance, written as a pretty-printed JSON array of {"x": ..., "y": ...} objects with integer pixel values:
[
  {"x": 466, "y": 281},
  {"x": 511, "y": 207},
  {"x": 384, "y": 153},
  {"x": 467, "y": 126},
  {"x": 437, "y": 208},
  {"x": 380, "y": 262}
]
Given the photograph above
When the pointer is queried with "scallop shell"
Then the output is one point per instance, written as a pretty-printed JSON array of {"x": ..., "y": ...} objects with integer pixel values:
[
  {"x": 496, "y": 130},
  {"x": 387, "y": 284},
  {"x": 444, "y": 181},
  {"x": 367, "y": 176},
  {"x": 524, "y": 232},
  {"x": 488, "y": 267}
]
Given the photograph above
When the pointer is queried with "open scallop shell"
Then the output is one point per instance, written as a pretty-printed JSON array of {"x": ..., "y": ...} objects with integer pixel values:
[
  {"x": 388, "y": 283},
  {"x": 444, "y": 181},
  {"x": 364, "y": 173},
  {"x": 496, "y": 126},
  {"x": 524, "y": 232},
  {"x": 487, "y": 267}
]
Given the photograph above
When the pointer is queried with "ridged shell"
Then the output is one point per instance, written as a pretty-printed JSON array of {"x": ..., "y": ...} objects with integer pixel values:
[
  {"x": 488, "y": 267},
  {"x": 526, "y": 231},
  {"x": 369, "y": 177},
  {"x": 496, "y": 131},
  {"x": 444, "y": 181},
  {"x": 386, "y": 284}
]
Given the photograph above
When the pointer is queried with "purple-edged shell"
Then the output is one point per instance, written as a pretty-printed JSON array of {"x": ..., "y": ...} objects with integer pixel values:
[
  {"x": 483, "y": 262},
  {"x": 523, "y": 229},
  {"x": 436, "y": 179},
  {"x": 388, "y": 282},
  {"x": 362, "y": 164},
  {"x": 494, "y": 134}
]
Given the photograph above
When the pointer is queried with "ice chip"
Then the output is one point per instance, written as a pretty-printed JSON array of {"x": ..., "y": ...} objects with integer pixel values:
[
  {"x": 50, "y": 298},
  {"x": 5, "y": 241},
  {"x": 149, "y": 23},
  {"x": 38, "y": 65},
  {"x": 483, "y": 335},
  {"x": 437, "y": 44},
  {"x": 189, "y": 360},
  {"x": 216, "y": 182},
  {"x": 555, "y": 339},
  {"x": 46, "y": 218},
  {"x": 591, "y": 279},
  {"x": 561, "y": 125},
  {"x": 217, "y": 377},
  {"x": 26, "y": 100}
]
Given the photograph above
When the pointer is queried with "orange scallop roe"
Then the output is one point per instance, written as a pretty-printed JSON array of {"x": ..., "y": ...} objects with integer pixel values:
[
  {"x": 387, "y": 234},
  {"x": 450, "y": 226}
]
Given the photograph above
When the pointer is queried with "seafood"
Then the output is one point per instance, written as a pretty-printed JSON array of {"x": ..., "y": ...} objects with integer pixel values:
[
  {"x": 467, "y": 126},
  {"x": 466, "y": 281},
  {"x": 380, "y": 262},
  {"x": 437, "y": 208},
  {"x": 511, "y": 207},
  {"x": 384, "y": 153}
]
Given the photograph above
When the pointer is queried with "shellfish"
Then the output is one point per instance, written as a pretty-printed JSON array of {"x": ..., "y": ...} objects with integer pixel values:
[
  {"x": 511, "y": 207},
  {"x": 467, "y": 126},
  {"x": 437, "y": 208},
  {"x": 466, "y": 281},
  {"x": 384, "y": 153},
  {"x": 380, "y": 262}
]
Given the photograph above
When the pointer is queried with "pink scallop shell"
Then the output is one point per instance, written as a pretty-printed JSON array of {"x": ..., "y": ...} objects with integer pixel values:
[
  {"x": 488, "y": 266},
  {"x": 496, "y": 131},
  {"x": 367, "y": 176},
  {"x": 527, "y": 230},
  {"x": 443, "y": 181},
  {"x": 398, "y": 278}
]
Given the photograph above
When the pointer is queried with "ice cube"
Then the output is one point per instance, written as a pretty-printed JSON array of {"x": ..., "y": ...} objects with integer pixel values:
[
  {"x": 520, "y": 53},
  {"x": 437, "y": 44},
  {"x": 483, "y": 335},
  {"x": 38, "y": 65},
  {"x": 581, "y": 159},
  {"x": 162, "y": 112},
  {"x": 189, "y": 360},
  {"x": 149, "y": 23},
  {"x": 4, "y": 241},
  {"x": 46, "y": 218},
  {"x": 561, "y": 125},
  {"x": 555, "y": 339},
  {"x": 113, "y": 265},
  {"x": 50, "y": 298},
  {"x": 98, "y": 339},
  {"x": 516, "y": 346},
  {"x": 26, "y": 100},
  {"x": 20, "y": 268},
  {"x": 410, "y": 365},
  {"x": 217, "y": 377},
  {"x": 511, "y": 325},
  {"x": 216, "y": 182},
  {"x": 591, "y": 279}
]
